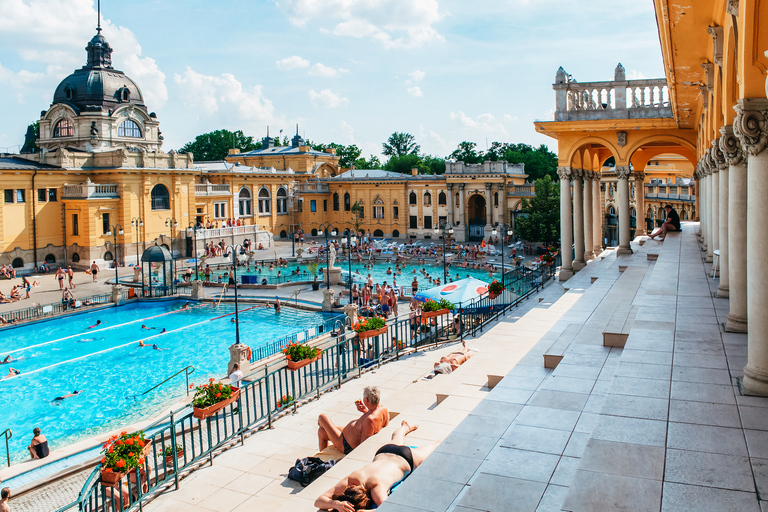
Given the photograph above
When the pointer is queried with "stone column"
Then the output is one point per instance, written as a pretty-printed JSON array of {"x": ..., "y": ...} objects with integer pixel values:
[
  {"x": 597, "y": 216},
  {"x": 488, "y": 207},
  {"x": 704, "y": 206},
  {"x": 566, "y": 226},
  {"x": 751, "y": 126},
  {"x": 451, "y": 204},
  {"x": 461, "y": 207},
  {"x": 714, "y": 225},
  {"x": 589, "y": 254},
  {"x": 622, "y": 173},
  {"x": 722, "y": 212},
  {"x": 578, "y": 219},
  {"x": 737, "y": 231},
  {"x": 697, "y": 203},
  {"x": 640, "y": 202}
]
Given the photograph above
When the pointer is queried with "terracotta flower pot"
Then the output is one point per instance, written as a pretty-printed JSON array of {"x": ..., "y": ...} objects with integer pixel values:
[
  {"x": 169, "y": 458},
  {"x": 432, "y": 314},
  {"x": 202, "y": 413},
  {"x": 549, "y": 263},
  {"x": 110, "y": 478},
  {"x": 493, "y": 295},
  {"x": 370, "y": 334},
  {"x": 295, "y": 365}
]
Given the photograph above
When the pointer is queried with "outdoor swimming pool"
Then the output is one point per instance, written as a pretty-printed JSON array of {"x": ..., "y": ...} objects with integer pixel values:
[{"x": 106, "y": 362}]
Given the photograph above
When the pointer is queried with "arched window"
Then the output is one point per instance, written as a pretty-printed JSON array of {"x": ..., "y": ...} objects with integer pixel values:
[
  {"x": 128, "y": 129},
  {"x": 458, "y": 201},
  {"x": 378, "y": 232},
  {"x": 282, "y": 200},
  {"x": 17, "y": 263},
  {"x": 412, "y": 198},
  {"x": 64, "y": 128},
  {"x": 441, "y": 199},
  {"x": 245, "y": 202},
  {"x": 160, "y": 198},
  {"x": 314, "y": 232},
  {"x": 395, "y": 234},
  {"x": 283, "y": 234},
  {"x": 662, "y": 213},
  {"x": 335, "y": 201},
  {"x": 75, "y": 258},
  {"x": 264, "y": 200},
  {"x": 632, "y": 212},
  {"x": 108, "y": 256},
  {"x": 427, "y": 199},
  {"x": 50, "y": 258},
  {"x": 610, "y": 210},
  {"x": 495, "y": 199},
  {"x": 347, "y": 203}
]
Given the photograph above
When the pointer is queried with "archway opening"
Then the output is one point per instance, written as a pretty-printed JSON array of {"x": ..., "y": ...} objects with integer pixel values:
[{"x": 476, "y": 216}]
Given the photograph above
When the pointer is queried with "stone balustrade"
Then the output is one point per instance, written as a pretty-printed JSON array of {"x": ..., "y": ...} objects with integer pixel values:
[
  {"x": 312, "y": 188},
  {"x": 211, "y": 189},
  {"x": 90, "y": 190}
]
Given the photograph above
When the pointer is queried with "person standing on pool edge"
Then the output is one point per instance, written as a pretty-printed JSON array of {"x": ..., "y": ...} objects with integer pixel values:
[
  {"x": 38, "y": 448},
  {"x": 94, "y": 270}
]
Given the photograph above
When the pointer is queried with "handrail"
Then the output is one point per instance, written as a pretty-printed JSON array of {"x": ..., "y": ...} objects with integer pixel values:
[
  {"x": 294, "y": 295},
  {"x": 223, "y": 291},
  {"x": 7, "y": 433},
  {"x": 187, "y": 374}
]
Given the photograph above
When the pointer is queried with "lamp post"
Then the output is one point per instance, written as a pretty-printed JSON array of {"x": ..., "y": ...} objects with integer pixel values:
[
  {"x": 171, "y": 223},
  {"x": 349, "y": 241},
  {"x": 137, "y": 223},
  {"x": 235, "y": 249},
  {"x": 449, "y": 230},
  {"x": 506, "y": 231},
  {"x": 113, "y": 232},
  {"x": 193, "y": 227},
  {"x": 324, "y": 228}
]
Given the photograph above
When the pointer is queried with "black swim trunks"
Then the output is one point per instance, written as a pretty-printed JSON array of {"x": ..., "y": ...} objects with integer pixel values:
[
  {"x": 347, "y": 449},
  {"x": 401, "y": 451}
]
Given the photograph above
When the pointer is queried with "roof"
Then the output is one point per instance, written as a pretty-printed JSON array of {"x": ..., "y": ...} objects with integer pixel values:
[
  {"x": 156, "y": 254},
  {"x": 370, "y": 173},
  {"x": 15, "y": 163},
  {"x": 223, "y": 166},
  {"x": 282, "y": 150}
]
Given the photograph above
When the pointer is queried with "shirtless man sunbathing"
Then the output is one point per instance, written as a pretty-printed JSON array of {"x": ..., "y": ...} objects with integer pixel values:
[
  {"x": 449, "y": 363},
  {"x": 374, "y": 418},
  {"x": 367, "y": 488}
]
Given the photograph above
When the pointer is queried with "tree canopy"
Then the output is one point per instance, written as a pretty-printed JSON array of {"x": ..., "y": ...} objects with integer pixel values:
[
  {"x": 400, "y": 144},
  {"x": 216, "y": 145},
  {"x": 30, "y": 138},
  {"x": 542, "y": 220},
  {"x": 348, "y": 155},
  {"x": 539, "y": 162}
]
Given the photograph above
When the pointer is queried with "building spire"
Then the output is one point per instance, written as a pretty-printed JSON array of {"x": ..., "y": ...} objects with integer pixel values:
[{"x": 98, "y": 16}]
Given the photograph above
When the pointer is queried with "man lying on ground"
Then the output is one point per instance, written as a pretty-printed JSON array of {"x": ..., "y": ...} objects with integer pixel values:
[
  {"x": 449, "y": 363},
  {"x": 374, "y": 418},
  {"x": 367, "y": 488}
]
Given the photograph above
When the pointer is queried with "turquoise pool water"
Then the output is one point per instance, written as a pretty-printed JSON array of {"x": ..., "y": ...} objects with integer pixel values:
[{"x": 106, "y": 362}]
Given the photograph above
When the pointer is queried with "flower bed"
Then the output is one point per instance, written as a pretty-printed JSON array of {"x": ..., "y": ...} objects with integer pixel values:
[
  {"x": 122, "y": 454},
  {"x": 370, "y": 327},
  {"x": 300, "y": 355},
  {"x": 212, "y": 397},
  {"x": 432, "y": 308}
]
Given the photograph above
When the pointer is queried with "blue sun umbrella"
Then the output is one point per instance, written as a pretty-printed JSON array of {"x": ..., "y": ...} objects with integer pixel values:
[{"x": 458, "y": 292}]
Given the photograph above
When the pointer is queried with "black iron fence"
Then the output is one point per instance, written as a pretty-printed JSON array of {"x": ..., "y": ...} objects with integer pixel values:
[{"x": 56, "y": 308}]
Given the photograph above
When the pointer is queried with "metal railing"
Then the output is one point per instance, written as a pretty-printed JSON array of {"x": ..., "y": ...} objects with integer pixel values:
[
  {"x": 187, "y": 373},
  {"x": 56, "y": 308},
  {"x": 7, "y": 434},
  {"x": 270, "y": 391},
  {"x": 304, "y": 336}
]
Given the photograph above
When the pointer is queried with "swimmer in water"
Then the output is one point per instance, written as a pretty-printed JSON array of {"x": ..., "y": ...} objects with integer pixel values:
[
  {"x": 161, "y": 332},
  {"x": 277, "y": 304},
  {"x": 185, "y": 306},
  {"x": 98, "y": 322},
  {"x": 12, "y": 372},
  {"x": 158, "y": 348},
  {"x": 147, "y": 328},
  {"x": 60, "y": 398},
  {"x": 7, "y": 359},
  {"x": 141, "y": 343}
]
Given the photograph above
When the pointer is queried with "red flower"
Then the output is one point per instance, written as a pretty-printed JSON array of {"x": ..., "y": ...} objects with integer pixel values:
[
  {"x": 129, "y": 441},
  {"x": 140, "y": 443},
  {"x": 111, "y": 449},
  {"x": 218, "y": 395},
  {"x": 210, "y": 380},
  {"x": 141, "y": 460},
  {"x": 131, "y": 454},
  {"x": 103, "y": 460},
  {"x": 191, "y": 386},
  {"x": 120, "y": 463},
  {"x": 123, "y": 433},
  {"x": 107, "y": 470}
]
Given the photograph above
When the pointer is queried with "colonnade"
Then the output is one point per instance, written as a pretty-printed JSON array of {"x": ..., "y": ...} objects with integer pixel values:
[
  {"x": 581, "y": 226},
  {"x": 733, "y": 179}
]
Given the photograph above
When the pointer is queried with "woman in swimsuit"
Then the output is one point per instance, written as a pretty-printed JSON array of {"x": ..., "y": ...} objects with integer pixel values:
[{"x": 368, "y": 487}]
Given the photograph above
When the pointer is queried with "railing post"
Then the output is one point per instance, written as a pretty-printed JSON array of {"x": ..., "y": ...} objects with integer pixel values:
[
  {"x": 269, "y": 406},
  {"x": 175, "y": 455}
]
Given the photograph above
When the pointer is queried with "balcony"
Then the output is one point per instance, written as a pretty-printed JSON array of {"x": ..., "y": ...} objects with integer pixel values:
[
  {"x": 312, "y": 188},
  {"x": 520, "y": 190},
  {"x": 211, "y": 189},
  {"x": 90, "y": 190}
]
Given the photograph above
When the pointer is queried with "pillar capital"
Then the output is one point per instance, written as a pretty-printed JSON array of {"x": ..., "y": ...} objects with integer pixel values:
[
  {"x": 449, "y": 186},
  {"x": 564, "y": 173},
  {"x": 622, "y": 172},
  {"x": 718, "y": 156},
  {"x": 488, "y": 186},
  {"x": 461, "y": 186},
  {"x": 751, "y": 124},
  {"x": 577, "y": 174},
  {"x": 730, "y": 146},
  {"x": 639, "y": 176}
]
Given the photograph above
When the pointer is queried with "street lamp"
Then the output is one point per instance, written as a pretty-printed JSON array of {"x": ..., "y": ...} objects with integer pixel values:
[
  {"x": 324, "y": 228},
  {"x": 508, "y": 231},
  {"x": 193, "y": 227},
  {"x": 171, "y": 223},
  {"x": 137, "y": 223},
  {"x": 235, "y": 250},
  {"x": 349, "y": 241},
  {"x": 113, "y": 232},
  {"x": 449, "y": 230}
]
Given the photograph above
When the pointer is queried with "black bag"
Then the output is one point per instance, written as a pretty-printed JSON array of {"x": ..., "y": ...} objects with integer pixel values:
[{"x": 308, "y": 469}]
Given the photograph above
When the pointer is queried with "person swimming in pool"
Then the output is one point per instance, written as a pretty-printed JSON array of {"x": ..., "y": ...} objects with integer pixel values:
[
  {"x": 60, "y": 398},
  {"x": 277, "y": 304},
  {"x": 8, "y": 359},
  {"x": 98, "y": 322},
  {"x": 12, "y": 372},
  {"x": 185, "y": 306},
  {"x": 147, "y": 328},
  {"x": 155, "y": 347}
]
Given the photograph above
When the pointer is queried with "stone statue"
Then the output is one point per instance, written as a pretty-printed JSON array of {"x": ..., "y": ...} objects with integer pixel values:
[{"x": 331, "y": 256}]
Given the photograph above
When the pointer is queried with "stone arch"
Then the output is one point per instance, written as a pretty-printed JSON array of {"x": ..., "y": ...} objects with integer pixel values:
[
  {"x": 378, "y": 233},
  {"x": 395, "y": 233},
  {"x": 576, "y": 151},
  {"x": 17, "y": 263},
  {"x": 666, "y": 144},
  {"x": 325, "y": 170}
]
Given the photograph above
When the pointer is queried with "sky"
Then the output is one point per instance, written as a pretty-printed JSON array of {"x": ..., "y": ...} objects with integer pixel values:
[{"x": 345, "y": 71}]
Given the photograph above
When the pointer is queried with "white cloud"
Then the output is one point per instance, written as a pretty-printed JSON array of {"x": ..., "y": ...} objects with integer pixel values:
[
  {"x": 323, "y": 70},
  {"x": 415, "y": 91},
  {"x": 417, "y": 75},
  {"x": 327, "y": 99},
  {"x": 393, "y": 23},
  {"x": 225, "y": 97},
  {"x": 293, "y": 62},
  {"x": 633, "y": 74},
  {"x": 484, "y": 123}
]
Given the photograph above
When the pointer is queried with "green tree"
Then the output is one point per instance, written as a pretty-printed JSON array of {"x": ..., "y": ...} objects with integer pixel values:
[
  {"x": 30, "y": 138},
  {"x": 542, "y": 223},
  {"x": 403, "y": 164},
  {"x": 467, "y": 153},
  {"x": 401, "y": 144},
  {"x": 372, "y": 162},
  {"x": 432, "y": 164},
  {"x": 357, "y": 210},
  {"x": 539, "y": 162},
  {"x": 216, "y": 145},
  {"x": 348, "y": 155}
]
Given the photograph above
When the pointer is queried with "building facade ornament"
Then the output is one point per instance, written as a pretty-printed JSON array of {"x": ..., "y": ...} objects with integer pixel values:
[
  {"x": 564, "y": 173},
  {"x": 730, "y": 146},
  {"x": 717, "y": 42},
  {"x": 621, "y": 139},
  {"x": 639, "y": 175},
  {"x": 717, "y": 155},
  {"x": 623, "y": 172},
  {"x": 732, "y": 7},
  {"x": 577, "y": 174},
  {"x": 710, "y": 160},
  {"x": 461, "y": 186},
  {"x": 751, "y": 124}
]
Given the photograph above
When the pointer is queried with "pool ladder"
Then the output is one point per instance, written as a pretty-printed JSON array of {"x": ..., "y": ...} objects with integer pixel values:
[
  {"x": 188, "y": 370},
  {"x": 295, "y": 296},
  {"x": 7, "y": 434}
]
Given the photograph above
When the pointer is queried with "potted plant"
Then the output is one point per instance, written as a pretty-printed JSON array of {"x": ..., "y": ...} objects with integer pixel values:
[
  {"x": 495, "y": 289},
  {"x": 300, "y": 355},
  {"x": 312, "y": 269},
  {"x": 370, "y": 327},
  {"x": 285, "y": 401},
  {"x": 168, "y": 453},
  {"x": 212, "y": 397},
  {"x": 122, "y": 454},
  {"x": 548, "y": 259},
  {"x": 433, "y": 308}
]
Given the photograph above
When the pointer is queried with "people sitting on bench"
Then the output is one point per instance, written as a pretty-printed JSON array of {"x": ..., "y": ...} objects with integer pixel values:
[
  {"x": 369, "y": 487},
  {"x": 449, "y": 363},
  {"x": 671, "y": 224},
  {"x": 374, "y": 418}
]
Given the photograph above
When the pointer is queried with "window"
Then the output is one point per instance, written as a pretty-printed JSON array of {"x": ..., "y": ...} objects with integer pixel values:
[
  {"x": 50, "y": 258},
  {"x": 75, "y": 258},
  {"x": 264, "y": 200},
  {"x": 9, "y": 195},
  {"x": 414, "y": 222},
  {"x": 378, "y": 212},
  {"x": 64, "y": 128},
  {"x": 335, "y": 201},
  {"x": 245, "y": 202},
  {"x": 412, "y": 198},
  {"x": 325, "y": 205},
  {"x": 378, "y": 233},
  {"x": 108, "y": 256},
  {"x": 395, "y": 212},
  {"x": 75, "y": 226},
  {"x": 427, "y": 199},
  {"x": 128, "y": 129},
  {"x": 442, "y": 221},
  {"x": 17, "y": 263},
  {"x": 442, "y": 199},
  {"x": 362, "y": 212},
  {"x": 52, "y": 194},
  {"x": 347, "y": 205},
  {"x": 105, "y": 223},
  {"x": 283, "y": 234},
  {"x": 42, "y": 195},
  {"x": 496, "y": 199},
  {"x": 301, "y": 205},
  {"x": 312, "y": 205},
  {"x": 219, "y": 210},
  {"x": 427, "y": 222},
  {"x": 160, "y": 198},
  {"x": 458, "y": 201},
  {"x": 395, "y": 234},
  {"x": 20, "y": 197},
  {"x": 282, "y": 200}
]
